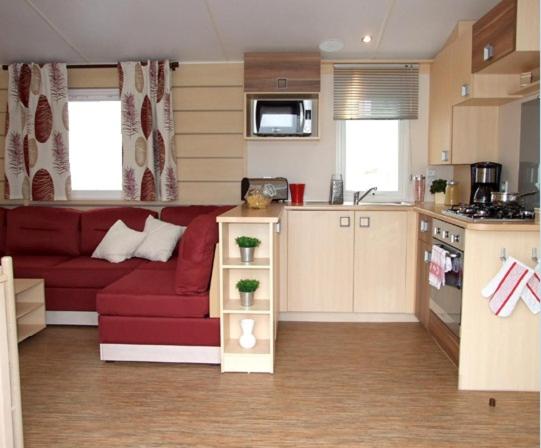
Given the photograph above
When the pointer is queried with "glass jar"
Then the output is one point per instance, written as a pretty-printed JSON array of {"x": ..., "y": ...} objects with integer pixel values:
[
  {"x": 452, "y": 193},
  {"x": 259, "y": 196}
]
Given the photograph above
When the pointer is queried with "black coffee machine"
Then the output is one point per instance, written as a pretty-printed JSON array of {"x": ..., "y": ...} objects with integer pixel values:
[{"x": 485, "y": 178}]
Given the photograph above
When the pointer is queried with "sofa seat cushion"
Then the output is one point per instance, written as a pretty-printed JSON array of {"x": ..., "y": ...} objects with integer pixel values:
[
  {"x": 96, "y": 223},
  {"x": 146, "y": 292},
  {"x": 43, "y": 231},
  {"x": 86, "y": 272},
  {"x": 35, "y": 266}
]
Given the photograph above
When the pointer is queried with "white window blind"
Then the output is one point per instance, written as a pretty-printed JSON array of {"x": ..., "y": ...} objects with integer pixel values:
[{"x": 376, "y": 91}]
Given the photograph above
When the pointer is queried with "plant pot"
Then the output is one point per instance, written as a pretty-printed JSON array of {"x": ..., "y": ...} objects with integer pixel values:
[
  {"x": 246, "y": 299},
  {"x": 439, "y": 198},
  {"x": 247, "y": 254},
  {"x": 247, "y": 340}
]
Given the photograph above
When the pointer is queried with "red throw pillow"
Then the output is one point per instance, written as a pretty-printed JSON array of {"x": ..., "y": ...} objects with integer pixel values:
[{"x": 196, "y": 255}]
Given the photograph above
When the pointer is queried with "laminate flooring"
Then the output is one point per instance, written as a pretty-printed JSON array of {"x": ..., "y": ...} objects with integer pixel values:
[{"x": 336, "y": 385}]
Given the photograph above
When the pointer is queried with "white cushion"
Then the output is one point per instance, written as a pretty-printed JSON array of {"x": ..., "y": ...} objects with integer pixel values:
[
  {"x": 119, "y": 243},
  {"x": 160, "y": 240}
]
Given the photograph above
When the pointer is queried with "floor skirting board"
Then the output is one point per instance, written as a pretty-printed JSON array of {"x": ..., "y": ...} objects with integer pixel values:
[
  {"x": 89, "y": 318},
  {"x": 160, "y": 353},
  {"x": 346, "y": 317}
]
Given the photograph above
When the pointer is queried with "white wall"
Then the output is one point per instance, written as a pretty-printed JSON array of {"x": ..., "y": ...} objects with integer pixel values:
[{"x": 314, "y": 162}]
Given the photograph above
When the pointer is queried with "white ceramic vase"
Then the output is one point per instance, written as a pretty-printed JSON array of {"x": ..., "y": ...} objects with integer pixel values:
[{"x": 247, "y": 340}]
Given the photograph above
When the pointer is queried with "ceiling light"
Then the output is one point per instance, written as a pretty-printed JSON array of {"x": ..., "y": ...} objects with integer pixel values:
[
  {"x": 367, "y": 38},
  {"x": 331, "y": 45}
]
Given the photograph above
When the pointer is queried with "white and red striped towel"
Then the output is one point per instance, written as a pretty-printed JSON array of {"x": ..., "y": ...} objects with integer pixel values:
[
  {"x": 506, "y": 288},
  {"x": 440, "y": 263}
]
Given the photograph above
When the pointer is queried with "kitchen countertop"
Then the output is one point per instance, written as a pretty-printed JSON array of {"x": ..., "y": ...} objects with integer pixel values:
[{"x": 427, "y": 208}]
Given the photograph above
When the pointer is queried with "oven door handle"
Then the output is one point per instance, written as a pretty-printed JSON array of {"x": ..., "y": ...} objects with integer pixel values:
[{"x": 452, "y": 254}]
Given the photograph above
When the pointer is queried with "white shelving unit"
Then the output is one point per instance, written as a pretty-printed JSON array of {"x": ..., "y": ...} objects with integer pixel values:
[
  {"x": 29, "y": 306},
  {"x": 264, "y": 225}
]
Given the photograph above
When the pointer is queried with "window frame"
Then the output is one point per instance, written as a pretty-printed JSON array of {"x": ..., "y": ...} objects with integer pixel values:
[
  {"x": 404, "y": 163},
  {"x": 95, "y": 94}
]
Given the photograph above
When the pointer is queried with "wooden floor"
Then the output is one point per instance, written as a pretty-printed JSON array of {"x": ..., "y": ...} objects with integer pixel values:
[{"x": 336, "y": 385}]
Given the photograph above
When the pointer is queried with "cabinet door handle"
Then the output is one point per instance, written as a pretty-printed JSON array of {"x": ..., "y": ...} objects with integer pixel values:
[
  {"x": 465, "y": 90},
  {"x": 364, "y": 221},
  {"x": 281, "y": 83},
  {"x": 344, "y": 221},
  {"x": 424, "y": 226},
  {"x": 445, "y": 156},
  {"x": 427, "y": 256},
  {"x": 488, "y": 52}
]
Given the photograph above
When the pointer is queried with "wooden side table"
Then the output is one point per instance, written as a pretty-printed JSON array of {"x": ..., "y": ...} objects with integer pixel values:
[{"x": 30, "y": 306}]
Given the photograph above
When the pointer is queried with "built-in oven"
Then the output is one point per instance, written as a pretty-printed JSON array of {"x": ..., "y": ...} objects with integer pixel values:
[{"x": 446, "y": 302}]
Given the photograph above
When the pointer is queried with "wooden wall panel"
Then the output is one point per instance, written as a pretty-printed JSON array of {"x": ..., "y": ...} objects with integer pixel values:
[
  {"x": 211, "y": 169},
  {"x": 209, "y": 193},
  {"x": 208, "y": 98},
  {"x": 3, "y": 100},
  {"x": 209, "y": 75},
  {"x": 93, "y": 78},
  {"x": 210, "y": 145},
  {"x": 209, "y": 122}
]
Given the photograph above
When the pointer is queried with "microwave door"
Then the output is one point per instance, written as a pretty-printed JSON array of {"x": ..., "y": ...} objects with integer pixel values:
[{"x": 277, "y": 117}]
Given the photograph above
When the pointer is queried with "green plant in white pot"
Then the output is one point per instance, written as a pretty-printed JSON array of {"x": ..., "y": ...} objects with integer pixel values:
[
  {"x": 247, "y": 289},
  {"x": 437, "y": 188},
  {"x": 247, "y": 247}
]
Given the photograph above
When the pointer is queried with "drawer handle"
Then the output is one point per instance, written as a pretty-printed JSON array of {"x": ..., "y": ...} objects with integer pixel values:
[
  {"x": 427, "y": 256},
  {"x": 345, "y": 221},
  {"x": 488, "y": 52},
  {"x": 364, "y": 221}
]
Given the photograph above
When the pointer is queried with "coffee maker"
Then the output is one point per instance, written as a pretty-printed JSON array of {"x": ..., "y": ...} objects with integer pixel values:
[{"x": 485, "y": 178}]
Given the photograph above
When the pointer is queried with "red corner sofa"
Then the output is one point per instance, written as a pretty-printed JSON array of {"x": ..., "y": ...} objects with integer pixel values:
[{"x": 151, "y": 311}]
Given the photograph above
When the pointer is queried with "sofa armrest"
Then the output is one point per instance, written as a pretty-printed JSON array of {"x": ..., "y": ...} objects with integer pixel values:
[{"x": 214, "y": 291}]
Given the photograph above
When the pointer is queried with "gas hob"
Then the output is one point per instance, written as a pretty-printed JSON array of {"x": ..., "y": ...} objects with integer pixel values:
[{"x": 490, "y": 213}]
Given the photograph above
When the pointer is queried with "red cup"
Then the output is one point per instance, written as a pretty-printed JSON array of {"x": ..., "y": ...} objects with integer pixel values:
[{"x": 297, "y": 193}]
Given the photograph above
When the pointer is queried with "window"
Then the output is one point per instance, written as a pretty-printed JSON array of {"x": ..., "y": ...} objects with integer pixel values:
[
  {"x": 374, "y": 153},
  {"x": 95, "y": 144}
]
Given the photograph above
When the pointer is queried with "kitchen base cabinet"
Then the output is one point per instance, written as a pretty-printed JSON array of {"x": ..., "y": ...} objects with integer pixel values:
[
  {"x": 381, "y": 240},
  {"x": 423, "y": 289},
  {"x": 444, "y": 337},
  {"x": 320, "y": 261}
]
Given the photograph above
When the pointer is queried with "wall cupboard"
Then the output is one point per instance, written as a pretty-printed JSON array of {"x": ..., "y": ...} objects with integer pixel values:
[
  {"x": 348, "y": 261},
  {"x": 506, "y": 39}
]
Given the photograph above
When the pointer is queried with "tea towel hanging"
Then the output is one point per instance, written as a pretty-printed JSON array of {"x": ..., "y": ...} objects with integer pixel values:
[
  {"x": 440, "y": 263},
  {"x": 507, "y": 286}
]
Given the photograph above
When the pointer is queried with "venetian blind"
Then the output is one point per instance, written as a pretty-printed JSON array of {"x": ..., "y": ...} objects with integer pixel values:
[{"x": 376, "y": 91}]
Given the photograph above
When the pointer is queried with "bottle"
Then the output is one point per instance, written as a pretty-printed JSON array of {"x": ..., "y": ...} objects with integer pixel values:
[
  {"x": 452, "y": 193},
  {"x": 336, "y": 195}
]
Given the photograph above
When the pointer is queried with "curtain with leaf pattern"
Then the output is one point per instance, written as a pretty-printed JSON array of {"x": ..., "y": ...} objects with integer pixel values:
[
  {"x": 36, "y": 153},
  {"x": 148, "y": 134}
]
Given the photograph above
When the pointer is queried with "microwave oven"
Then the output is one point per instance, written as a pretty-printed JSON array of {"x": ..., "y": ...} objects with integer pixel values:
[{"x": 282, "y": 117}]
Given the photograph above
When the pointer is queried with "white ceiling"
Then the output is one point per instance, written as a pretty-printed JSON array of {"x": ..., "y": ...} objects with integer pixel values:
[{"x": 97, "y": 31}]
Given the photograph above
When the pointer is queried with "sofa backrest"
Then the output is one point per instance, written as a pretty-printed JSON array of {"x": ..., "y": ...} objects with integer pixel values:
[
  {"x": 183, "y": 215},
  {"x": 95, "y": 223},
  {"x": 43, "y": 231}
]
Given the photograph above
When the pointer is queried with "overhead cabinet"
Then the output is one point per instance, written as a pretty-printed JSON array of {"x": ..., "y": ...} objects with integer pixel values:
[
  {"x": 506, "y": 39},
  {"x": 282, "y": 72}
]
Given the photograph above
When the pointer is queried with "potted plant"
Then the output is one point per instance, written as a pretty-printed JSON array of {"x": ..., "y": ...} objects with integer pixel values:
[
  {"x": 437, "y": 188},
  {"x": 246, "y": 288},
  {"x": 247, "y": 247}
]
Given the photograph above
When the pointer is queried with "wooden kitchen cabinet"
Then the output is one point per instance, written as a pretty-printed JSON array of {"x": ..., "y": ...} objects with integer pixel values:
[
  {"x": 282, "y": 72},
  {"x": 506, "y": 39},
  {"x": 320, "y": 261},
  {"x": 380, "y": 262}
]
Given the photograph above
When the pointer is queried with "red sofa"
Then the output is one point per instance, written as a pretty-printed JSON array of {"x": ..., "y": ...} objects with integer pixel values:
[{"x": 146, "y": 309}]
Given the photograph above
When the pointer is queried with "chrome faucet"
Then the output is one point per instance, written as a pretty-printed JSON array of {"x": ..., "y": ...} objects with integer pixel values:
[{"x": 357, "y": 197}]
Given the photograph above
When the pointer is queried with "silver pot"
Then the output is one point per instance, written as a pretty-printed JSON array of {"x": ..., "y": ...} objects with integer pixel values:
[
  {"x": 246, "y": 299},
  {"x": 247, "y": 254},
  {"x": 502, "y": 197}
]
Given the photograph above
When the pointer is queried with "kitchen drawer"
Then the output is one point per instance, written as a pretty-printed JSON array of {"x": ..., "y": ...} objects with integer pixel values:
[{"x": 494, "y": 35}]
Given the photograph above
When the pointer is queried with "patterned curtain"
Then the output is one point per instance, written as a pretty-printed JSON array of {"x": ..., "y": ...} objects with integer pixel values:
[
  {"x": 148, "y": 131},
  {"x": 37, "y": 144}
]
